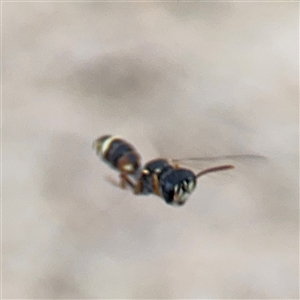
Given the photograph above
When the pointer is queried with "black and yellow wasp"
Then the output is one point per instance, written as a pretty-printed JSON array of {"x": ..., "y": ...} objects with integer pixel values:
[{"x": 162, "y": 177}]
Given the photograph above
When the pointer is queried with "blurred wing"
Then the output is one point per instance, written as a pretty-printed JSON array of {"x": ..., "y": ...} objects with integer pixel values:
[{"x": 200, "y": 162}]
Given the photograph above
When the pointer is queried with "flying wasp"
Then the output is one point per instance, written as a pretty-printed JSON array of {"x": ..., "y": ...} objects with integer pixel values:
[{"x": 162, "y": 177}]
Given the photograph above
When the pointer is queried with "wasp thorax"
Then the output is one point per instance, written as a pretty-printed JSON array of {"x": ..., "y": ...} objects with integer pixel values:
[
  {"x": 155, "y": 166},
  {"x": 150, "y": 174},
  {"x": 118, "y": 153}
]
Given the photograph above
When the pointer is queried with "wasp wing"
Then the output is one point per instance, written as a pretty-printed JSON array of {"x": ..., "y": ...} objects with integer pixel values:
[{"x": 200, "y": 162}]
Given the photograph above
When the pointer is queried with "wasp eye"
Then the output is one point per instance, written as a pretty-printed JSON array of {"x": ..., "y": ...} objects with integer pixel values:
[{"x": 168, "y": 192}]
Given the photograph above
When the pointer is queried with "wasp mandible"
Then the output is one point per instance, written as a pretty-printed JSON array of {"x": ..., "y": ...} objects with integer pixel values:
[{"x": 161, "y": 177}]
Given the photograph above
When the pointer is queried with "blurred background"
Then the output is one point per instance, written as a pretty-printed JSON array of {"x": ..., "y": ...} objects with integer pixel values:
[{"x": 176, "y": 80}]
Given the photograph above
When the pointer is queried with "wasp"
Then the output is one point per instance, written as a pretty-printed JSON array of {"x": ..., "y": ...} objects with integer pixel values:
[{"x": 161, "y": 177}]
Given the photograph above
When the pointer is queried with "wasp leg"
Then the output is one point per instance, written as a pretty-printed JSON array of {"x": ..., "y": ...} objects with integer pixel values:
[
  {"x": 155, "y": 184},
  {"x": 112, "y": 181},
  {"x": 138, "y": 188},
  {"x": 126, "y": 180},
  {"x": 123, "y": 181}
]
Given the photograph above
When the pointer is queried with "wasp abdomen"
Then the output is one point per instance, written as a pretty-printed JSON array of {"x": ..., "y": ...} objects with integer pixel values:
[{"x": 118, "y": 153}]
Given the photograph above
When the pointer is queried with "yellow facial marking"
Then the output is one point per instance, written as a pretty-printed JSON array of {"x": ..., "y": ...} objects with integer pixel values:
[{"x": 191, "y": 186}]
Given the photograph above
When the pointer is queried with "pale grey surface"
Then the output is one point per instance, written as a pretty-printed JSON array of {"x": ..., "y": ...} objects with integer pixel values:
[{"x": 177, "y": 80}]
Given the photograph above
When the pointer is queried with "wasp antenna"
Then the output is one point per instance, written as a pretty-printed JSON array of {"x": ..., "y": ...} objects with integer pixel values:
[{"x": 215, "y": 169}]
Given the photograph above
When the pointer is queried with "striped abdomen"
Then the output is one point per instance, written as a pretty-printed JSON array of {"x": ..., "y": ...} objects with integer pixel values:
[{"x": 117, "y": 153}]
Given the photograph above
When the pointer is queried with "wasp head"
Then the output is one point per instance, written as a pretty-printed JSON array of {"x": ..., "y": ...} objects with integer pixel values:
[{"x": 177, "y": 186}]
